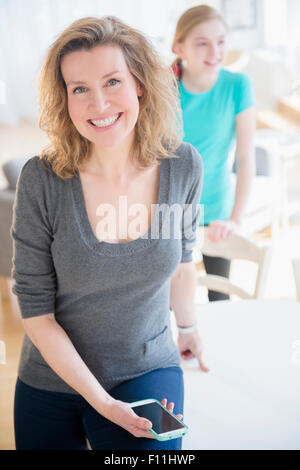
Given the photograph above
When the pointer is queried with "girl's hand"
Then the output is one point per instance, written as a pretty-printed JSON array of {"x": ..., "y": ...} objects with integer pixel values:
[
  {"x": 220, "y": 229},
  {"x": 190, "y": 346}
]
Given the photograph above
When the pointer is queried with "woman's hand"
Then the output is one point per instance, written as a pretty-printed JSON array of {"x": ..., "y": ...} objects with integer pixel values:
[
  {"x": 220, "y": 229},
  {"x": 190, "y": 346},
  {"x": 123, "y": 415},
  {"x": 170, "y": 407}
]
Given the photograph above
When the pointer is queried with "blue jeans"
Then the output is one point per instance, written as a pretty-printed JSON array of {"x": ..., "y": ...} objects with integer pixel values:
[{"x": 53, "y": 420}]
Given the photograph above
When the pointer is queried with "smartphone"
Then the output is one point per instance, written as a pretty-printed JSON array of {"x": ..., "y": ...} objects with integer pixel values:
[{"x": 165, "y": 425}]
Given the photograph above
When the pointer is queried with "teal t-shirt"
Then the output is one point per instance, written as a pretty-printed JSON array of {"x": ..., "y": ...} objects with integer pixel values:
[{"x": 209, "y": 125}]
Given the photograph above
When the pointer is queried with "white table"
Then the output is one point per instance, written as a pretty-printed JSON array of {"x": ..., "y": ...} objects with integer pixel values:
[{"x": 250, "y": 399}]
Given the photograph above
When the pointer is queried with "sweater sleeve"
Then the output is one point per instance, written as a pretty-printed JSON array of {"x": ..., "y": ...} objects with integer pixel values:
[
  {"x": 32, "y": 265},
  {"x": 193, "y": 210}
]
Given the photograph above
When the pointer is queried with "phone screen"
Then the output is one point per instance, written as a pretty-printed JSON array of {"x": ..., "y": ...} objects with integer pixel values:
[{"x": 161, "y": 420}]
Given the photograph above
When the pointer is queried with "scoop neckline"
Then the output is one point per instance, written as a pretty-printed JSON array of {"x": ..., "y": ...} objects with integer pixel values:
[
  {"x": 119, "y": 249},
  {"x": 202, "y": 93}
]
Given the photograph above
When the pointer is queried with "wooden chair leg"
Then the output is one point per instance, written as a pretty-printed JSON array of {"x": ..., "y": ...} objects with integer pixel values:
[
  {"x": 269, "y": 231},
  {"x": 4, "y": 288},
  {"x": 200, "y": 266}
]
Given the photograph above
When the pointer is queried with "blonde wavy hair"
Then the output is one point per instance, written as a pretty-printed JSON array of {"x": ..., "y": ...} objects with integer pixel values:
[
  {"x": 191, "y": 18},
  {"x": 158, "y": 130}
]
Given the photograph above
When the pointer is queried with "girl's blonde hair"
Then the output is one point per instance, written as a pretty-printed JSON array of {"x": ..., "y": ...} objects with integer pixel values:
[
  {"x": 188, "y": 20},
  {"x": 158, "y": 131}
]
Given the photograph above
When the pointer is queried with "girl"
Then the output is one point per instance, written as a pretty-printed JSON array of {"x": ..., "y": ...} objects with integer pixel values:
[
  {"x": 95, "y": 302},
  {"x": 218, "y": 108}
]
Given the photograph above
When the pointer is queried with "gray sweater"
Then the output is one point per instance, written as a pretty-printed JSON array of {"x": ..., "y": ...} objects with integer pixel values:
[{"x": 111, "y": 299}]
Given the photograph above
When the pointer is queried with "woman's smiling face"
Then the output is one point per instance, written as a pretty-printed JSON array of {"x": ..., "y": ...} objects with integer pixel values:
[{"x": 102, "y": 95}]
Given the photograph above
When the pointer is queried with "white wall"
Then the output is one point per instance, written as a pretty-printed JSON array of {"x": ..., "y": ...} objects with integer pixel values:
[
  {"x": 246, "y": 39},
  {"x": 28, "y": 27}
]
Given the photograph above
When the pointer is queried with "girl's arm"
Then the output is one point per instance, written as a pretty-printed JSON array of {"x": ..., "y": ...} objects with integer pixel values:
[{"x": 245, "y": 128}]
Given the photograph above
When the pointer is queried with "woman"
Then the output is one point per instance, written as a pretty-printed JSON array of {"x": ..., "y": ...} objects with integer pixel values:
[
  {"x": 95, "y": 300},
  {"x": 218, "y": 109}
]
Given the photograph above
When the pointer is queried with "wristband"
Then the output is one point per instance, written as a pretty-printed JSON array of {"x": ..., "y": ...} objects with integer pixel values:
[{"x": 187, "y": 330}]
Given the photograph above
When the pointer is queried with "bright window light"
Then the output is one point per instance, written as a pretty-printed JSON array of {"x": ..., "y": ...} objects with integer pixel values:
[{"x": 275, "y": 22}]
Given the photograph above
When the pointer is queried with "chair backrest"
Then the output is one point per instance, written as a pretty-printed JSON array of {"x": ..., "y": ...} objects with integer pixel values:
[
  {"x": 12, "y": 169},
  {"x": 235, "y": 246},
  {"x": 266, "y": 161},
  {"x": 296, "y": 268}
]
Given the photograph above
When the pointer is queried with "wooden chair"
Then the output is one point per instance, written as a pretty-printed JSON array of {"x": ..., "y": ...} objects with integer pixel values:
[
  {"x": 296, "y": 267},
  {"x": 236, "y": 246}
]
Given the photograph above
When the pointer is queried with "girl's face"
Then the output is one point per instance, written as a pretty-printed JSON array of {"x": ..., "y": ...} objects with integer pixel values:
[
  {"x": 102, "y": 95},
  {"x": 204, "y": 48}
]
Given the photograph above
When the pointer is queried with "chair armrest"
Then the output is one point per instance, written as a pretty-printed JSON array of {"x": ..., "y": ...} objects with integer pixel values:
[{"x": 266, "y": 162}]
